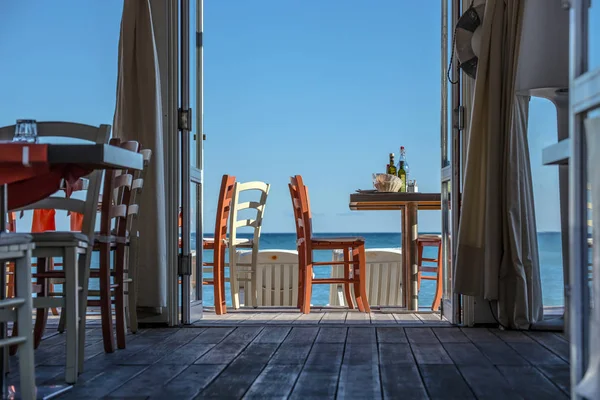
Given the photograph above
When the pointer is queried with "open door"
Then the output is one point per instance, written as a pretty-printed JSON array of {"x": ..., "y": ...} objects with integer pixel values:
[
  {"x": 451, "y": 127},
  {"x": 191, "y": 140}
]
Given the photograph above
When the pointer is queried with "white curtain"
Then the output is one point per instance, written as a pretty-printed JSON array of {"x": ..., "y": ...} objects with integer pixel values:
[
  {"x": 589, "y": 387},
  {"x": 138, "y": 116},
  {"x": 497, "y": 250}
]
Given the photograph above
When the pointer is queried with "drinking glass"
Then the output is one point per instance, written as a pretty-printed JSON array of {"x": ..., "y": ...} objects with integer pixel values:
[{"x": 25, "y": 131}]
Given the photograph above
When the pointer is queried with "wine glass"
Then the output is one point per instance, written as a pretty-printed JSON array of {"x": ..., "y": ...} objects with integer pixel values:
[{"x": 25, "y": 131}]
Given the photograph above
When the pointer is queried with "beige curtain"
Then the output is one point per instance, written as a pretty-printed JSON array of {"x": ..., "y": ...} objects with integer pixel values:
[
  {"x": 589, "y": 387},
  {"x": 138, "y": 116},
  {"x": 491, "y": 260}
]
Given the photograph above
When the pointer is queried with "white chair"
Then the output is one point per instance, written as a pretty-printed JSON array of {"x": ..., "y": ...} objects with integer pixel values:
[
  {"x": 274, "y": 282},
  {"x": 17, "y": 248},
  {"x": 73, "y": 247},
  {"x": 239, "y": 219},
  {"x": 384, "y": 278}
]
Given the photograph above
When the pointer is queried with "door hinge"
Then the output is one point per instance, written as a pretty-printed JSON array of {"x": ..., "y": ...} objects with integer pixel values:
[
  {"x": 459, "y": 114},
  {"x": 184, "y": 265},
  {"x": 184, "y": 121}
]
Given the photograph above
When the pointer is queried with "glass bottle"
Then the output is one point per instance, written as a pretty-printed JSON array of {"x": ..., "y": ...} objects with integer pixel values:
[{"x": 392, "y": 166}]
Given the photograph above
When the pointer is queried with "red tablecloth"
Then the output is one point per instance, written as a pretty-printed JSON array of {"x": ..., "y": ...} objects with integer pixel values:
[{"x": 30, "y": 176}]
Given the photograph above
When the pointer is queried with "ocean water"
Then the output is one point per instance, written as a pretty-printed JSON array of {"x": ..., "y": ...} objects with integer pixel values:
[{"x": 549, "y": 251}]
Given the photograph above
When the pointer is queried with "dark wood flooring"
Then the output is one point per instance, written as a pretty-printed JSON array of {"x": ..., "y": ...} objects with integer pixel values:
[{"x": 316, "y": 362}]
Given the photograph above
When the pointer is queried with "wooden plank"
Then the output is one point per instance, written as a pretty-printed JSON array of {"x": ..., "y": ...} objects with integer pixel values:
[
  {"x": 285, "y": 317},
  {"x": 308, "y": 319},
  {"x": 391, "y": 335},
  {"x": 479, "y": 335},
  {"x": 272, "y": 334},
  {"x": 275, "y": 381},
  {"x": 96, "y": 385},
  {"x": 213, "y": 335},
  {"x": 420, "y": 335},
  {"x": 444, "y": 382},
  {"x": 334, "y": 317},
  {"x": 359, "y": 375},
  {"x": 230, "y": 347},
  {"x": 535, "y": 353},
  {"x": 360, "y": 335},
  {"x": 241, "y": 373},
  {"x": 560, "y": 375},
  {"x": 189, "y": 383},
  {"x": 487, "y": 382},
  {"x": 499, "y": 353},
  {"x": 431, "y": 318},
  {"x": 395, "y": 353},
  {"x": 261, "y": 318},
  {"x": 332, "y": 335},
  {"x": 319, "y": 378},
  {"x": 144, "y": 384},
  {"x": 511, "y": 336},
  {"x": 531, "y": 383},
  {"x": 552, "y": 342},
  {"x": 379, "y": 318},
  {"x": 186, "y": 354},
  {"x": 450, "y": 335},
  {"x": 356, "y": 317},
  {"x": 466, "y": 354},
  {"x": 302, "y": 334},
  {"x": 403, "y": 381},
  {"x": 163, "y": 347},
  {"x": 407, "y": 318},
  {"x": 430, "y": 353}
]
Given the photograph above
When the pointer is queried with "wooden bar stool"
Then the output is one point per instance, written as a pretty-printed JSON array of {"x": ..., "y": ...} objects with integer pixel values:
[{"x": 431, "y": 241}]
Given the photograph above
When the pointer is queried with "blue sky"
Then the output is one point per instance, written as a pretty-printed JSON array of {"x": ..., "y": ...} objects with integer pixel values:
[{"x": 325, "y": 89}]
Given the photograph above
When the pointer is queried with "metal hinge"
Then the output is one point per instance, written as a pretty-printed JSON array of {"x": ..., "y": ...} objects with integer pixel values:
[
  {"x": 459, "y": 113},
  {"x": 184, "y": 121},
  {"x": 199, "y": 36},
  {"x": 184, "y": 265}
]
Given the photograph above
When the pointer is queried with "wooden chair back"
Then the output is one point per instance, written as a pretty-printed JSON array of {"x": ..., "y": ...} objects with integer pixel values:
[
  {"x": 254, "y": 223},
  {"x": 223, "y": 210}
]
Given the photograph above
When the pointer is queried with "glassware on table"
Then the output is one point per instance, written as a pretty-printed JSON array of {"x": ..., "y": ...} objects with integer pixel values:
[{"x": 25, "y": 131}]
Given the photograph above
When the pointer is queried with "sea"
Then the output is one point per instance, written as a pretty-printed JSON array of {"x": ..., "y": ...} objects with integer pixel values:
[{"x": 549, "y": 244}]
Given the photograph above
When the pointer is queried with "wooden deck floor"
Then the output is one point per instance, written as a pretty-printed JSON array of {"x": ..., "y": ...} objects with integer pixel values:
[
  {"x": 319, "y": 316},
  {"x": 317, "y": 362}
]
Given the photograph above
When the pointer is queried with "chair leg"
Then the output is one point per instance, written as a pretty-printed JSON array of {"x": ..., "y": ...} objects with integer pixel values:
[
  {"x": 419, "y": 264},
  {"x": 105, "y": 300},
  {"x": 26, "y": 351},
  {"x": 347, "y": 270},
  {"x": 120, "y": 295},
  {"x": 41, "y": 314},
  {"x": 234, "y": 285},
  {"x": 306, "y": 289},
  {"x": 219, "y": 282},
  {"x": 360, "y": 286},
  {"x": 439, "y": 282},
  {"x": 71, "y": 293},
  {"x": 84, "y": 278},
  {"x": 132, "y": 286},
  {"x": 61, "y": 328}
]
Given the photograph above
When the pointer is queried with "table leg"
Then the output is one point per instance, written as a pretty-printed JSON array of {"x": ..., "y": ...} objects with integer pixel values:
[{"x": 409, "y": 255}]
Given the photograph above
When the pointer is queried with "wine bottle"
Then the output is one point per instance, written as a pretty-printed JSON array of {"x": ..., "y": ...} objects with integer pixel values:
[
  {"x": 406, "y": 168},
  {"x": 392, "y": 166},
  {"x": 402, "y": 176}
]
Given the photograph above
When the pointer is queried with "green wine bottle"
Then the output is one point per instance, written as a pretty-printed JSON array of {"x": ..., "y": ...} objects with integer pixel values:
[
  {"x": 402, "y": 175},
  {"x": 392, "y": 166}
]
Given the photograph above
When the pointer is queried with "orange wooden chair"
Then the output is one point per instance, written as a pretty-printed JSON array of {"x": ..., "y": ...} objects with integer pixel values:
[
  {"x": 219, "y": 244},
  {"x": 431, "y": 241},
  {"x": 353, "y": 248}
]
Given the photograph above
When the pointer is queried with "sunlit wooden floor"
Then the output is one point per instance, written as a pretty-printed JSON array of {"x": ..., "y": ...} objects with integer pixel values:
[
  {"x": 318, "y": 316},
  {"x": 362, "y": 362}
]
